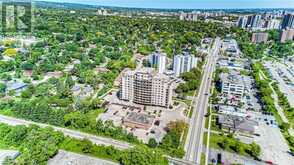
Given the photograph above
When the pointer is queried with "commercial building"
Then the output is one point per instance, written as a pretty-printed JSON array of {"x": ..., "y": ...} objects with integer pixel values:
[
  {"x": 287, "y": 35},
  {"x": 259, "y": 37},
  {"x": 148, "y": 87},
  {"x": 288, "y": 22},
  {"x": 184, "y": 63},
  {"x": 231, "y": 110},
  {"x": 237, "y": 123},
  {"x": 233, "y": 64},
  {"x": 233, "y": 86},
  {"x": 158, "y": 60}
]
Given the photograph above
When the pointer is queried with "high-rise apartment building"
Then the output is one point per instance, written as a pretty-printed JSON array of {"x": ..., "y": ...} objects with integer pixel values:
[
  {"x": 158, "y": 60},
  {"x": 287, "y": 35},
  {"x": 188, "y": 16},
  {"x": 255, "y": 21},
  {"x": 272, "y": 24},
  {"x": 259, "y": 37},
  {"x": 242, "y": 22},
  {"x": 147, "y": 87},
  {"x": 184, "y": 63},
  {"x": 258, "y": 22},
  {"x": 288, "y": 22}
]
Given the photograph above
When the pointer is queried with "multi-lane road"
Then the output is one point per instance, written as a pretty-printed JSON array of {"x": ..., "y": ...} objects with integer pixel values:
[
  {"x": 194, "y": 139},
  {"x": 71, "y": 133}
]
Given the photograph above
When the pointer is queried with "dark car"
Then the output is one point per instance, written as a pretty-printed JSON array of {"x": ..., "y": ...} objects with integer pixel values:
[{"x": 219, "y": 158}]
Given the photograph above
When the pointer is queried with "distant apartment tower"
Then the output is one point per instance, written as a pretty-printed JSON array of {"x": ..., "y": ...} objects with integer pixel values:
[
  {"x": 188, "y": 16},
  {"x": 184, "y": 63},
  {"x": 259, "y": 37},
  {"x": 158, "y": 60},
  {"x": 272, "y": 24},
  {"x": 255, "y": 21},
  {"x": 242, "y": 21},
  {"x": 287, "y": 35},
  {"x": 288, "y": 21},
  {"x": 102, "y": 11},
  {"x": 147, "y": 87},
  {"x": 252, "y": 21}
]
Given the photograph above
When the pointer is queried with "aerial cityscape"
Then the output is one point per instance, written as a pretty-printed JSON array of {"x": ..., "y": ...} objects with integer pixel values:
[{"x": 114, "y": 82}]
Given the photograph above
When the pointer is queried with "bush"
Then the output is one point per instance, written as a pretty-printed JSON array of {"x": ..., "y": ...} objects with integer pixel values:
[
  {"x": 254, "y": 150},
  {"x": 152, "y": 143}
]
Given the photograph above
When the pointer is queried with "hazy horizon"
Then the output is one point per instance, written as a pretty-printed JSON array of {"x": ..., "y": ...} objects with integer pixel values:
[{"x": 187, "y": 4}]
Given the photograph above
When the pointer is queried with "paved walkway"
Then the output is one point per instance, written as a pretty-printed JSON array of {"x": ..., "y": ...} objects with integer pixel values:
[
  {"x": 276, "y": 99},
  {"x": 277, "y": 106},
  {"x": 71, "y": 133}
]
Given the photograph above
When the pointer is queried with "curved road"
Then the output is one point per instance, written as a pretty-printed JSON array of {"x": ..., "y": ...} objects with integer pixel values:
[{"x": 71, "y": 133}]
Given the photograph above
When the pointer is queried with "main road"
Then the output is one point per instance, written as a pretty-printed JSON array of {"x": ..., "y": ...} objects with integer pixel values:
[
  {"x": 68, "y": 132},
  {"x": 194, "y": 141}
]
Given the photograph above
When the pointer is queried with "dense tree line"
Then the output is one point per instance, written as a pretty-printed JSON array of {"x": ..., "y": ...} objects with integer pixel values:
[
  {"x": 171, "y": 142},
  {"x": 192, "y": 79},
  {"x": 37, "y": 145}
]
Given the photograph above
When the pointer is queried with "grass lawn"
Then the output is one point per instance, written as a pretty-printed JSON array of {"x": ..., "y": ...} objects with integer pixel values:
[
  {"x": 76, "y": 146},
  {"x": 202, "y": 161},
  {"x": 6, "y": 112},
  {"x": 191, "y": 93},
  {"x": 191, "y": 112},
  {"x": 3, "y": 146},
  {"x": 206, "y": 122},
  {"x": 92, "y": 115},
  {"x": 205, "y": 138},
  {"x": 216, "y": 139}
]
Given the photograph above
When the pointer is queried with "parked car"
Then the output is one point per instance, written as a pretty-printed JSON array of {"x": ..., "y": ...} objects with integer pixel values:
[{"x": 268, "y": 162}]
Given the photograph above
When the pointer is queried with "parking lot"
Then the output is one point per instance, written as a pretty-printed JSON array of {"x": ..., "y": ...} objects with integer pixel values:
[
  {"x": 273, "y": 145},
  {"x": 231, "y": 158},
  {"x": 147, "y": 121},
  {"x": 282, "y": 74}
]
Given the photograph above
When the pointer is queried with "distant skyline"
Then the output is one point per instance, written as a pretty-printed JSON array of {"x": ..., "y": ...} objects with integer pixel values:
[{"x": 187, "y": 4}]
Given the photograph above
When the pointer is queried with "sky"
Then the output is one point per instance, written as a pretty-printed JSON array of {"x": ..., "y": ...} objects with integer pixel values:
[{"x": 188, "y": 4}]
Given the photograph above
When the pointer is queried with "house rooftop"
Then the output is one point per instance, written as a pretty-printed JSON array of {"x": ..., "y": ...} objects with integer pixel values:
[{"x": 15, "y": 85}]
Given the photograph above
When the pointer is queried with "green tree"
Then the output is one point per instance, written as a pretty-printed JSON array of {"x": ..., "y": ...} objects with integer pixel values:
[
  {"x": 2, "y": 88},
  {"x": 76, "y": 120},
  {"x": 152, "y": 143},
  {"x": 255, "y": 150},
  {"x": 224, "y": 144},
  {"x": 87, "y": 146},
  {"x": 237, "y": 147}
]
